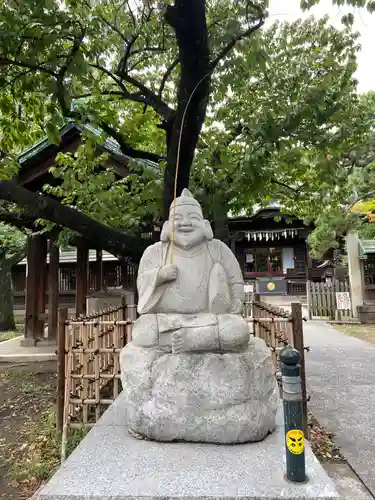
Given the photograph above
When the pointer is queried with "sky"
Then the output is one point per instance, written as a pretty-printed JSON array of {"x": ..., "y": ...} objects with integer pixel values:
[{"x": 289, "y": 10}]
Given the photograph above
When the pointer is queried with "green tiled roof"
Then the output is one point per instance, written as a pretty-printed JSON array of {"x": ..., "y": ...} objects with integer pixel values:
[
  {"x": 42, "y": 144},
  {"x": 366, "y": 247},
  {"x": 110, "y": 145}
]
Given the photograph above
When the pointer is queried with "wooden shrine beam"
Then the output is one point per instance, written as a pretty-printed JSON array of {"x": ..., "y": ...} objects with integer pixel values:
[
  {"x": 82, "y": 277},
  {"x": 53, "y": 288}
]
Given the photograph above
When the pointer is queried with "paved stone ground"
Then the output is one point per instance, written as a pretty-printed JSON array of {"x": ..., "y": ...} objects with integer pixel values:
[
  {"x": 341, "y": 382},
  {"x": 346, "y": 481},
  {"x": 12, "y": 352}
]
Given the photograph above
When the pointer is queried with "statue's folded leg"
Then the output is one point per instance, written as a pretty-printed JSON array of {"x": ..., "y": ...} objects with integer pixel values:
[
  {"x": 145, "y": 331},
  {"x": 196, "y": 339},
  {"x": 234, "y": 332}
]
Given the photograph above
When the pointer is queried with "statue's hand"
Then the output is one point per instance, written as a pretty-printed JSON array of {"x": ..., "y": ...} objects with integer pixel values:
[
  {"x": 237, "y": 306},
  {"x": 167, "y": 273}
]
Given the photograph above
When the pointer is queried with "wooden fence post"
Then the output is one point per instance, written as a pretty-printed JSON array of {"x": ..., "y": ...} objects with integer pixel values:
[
  {"x": 309, "y": 300},
  {"x": 255, "y": 313},
  {"x": 299, "y": 345},
  {"x": 256, "y": 298},
  {"x": 63, "y": 317}
]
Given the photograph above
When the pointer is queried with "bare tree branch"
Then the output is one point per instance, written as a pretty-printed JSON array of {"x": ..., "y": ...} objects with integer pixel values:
[
  {"x": 225, "y": 50},
  {"x": 115, "y": 28},
  {"x": 126, "y": 149},
  {"x": 111, "y": 75},
  {"x": 282, "y": 184},
  {"x": 130, "y": 12},
  {"x": 150, "y": 98},
  {"x": 114, "y": 93},
  {"x": 15, "y": 78},
  {"x": 143, "y": 59},
  {"x": 166, "y": 75},
  {"x": 362, "y": 197},
  {"x": 5, "y": 61},
  {"x": 153, "y": 99},
  {"x": 60, "y": 89},
  {"x": 19, "y": 220}
]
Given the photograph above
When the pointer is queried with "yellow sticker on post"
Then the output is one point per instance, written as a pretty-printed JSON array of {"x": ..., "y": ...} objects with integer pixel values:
[{"x": 295, "y": 441}]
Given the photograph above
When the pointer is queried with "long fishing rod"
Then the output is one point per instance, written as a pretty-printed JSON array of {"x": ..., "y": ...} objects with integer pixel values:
[{"x": 178, "y": 161}]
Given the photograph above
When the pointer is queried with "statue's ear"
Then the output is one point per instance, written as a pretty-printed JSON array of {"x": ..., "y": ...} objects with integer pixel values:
[
  {"x": 165, "y": 233},
  {"x": 208, "y": 228}
]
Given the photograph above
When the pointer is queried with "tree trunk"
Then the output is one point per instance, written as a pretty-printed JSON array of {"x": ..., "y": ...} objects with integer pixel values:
[
  {"x": 221, "y": 221},
  {"x": 188, "y": 18},
  {"x": 6, "y": 298}
]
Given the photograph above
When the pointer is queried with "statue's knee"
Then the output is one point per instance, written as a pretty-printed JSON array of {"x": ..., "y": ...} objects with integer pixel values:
[
  {"x": 145, "y": 331},
  {"x": 234, "y": 331}
]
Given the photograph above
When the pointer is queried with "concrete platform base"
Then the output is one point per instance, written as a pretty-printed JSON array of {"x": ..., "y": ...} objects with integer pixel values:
[{"x": 111, "y": 465}]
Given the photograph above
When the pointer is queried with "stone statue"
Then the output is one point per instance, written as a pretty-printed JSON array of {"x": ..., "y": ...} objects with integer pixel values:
[{"x": 191, "y": 371}]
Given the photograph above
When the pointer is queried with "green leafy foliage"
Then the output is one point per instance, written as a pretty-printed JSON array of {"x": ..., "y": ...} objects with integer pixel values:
[
  {"x": 278, "y": 117},
  {"x": 347, "y": 19},
  {"x": 121, "y": 203},
  {"x": 284, "y": 120},
  {"x": 12, "y": 243}
]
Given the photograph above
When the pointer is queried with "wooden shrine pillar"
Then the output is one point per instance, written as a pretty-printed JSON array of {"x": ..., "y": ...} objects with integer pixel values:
[
  {"x": 35, "y": 289},
  {"x": 42, "y": 275},
  {"x": 53, "y": 288},
  {"x": 82, "y": 277},
  {"x": 99, "y": 270}
]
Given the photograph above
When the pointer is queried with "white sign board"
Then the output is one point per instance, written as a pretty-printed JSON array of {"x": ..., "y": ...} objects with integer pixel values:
[{"x": 343, "y": 301}]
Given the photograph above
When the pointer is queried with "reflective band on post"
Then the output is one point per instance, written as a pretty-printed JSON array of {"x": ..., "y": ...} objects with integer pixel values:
[{"x": 291, "y": 388}]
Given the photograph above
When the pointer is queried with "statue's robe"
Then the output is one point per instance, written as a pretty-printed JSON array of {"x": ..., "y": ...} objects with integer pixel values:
[{"x": 209, "y": 282}]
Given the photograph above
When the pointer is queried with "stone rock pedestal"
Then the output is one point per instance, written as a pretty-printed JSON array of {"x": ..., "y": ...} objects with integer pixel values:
[
  {"x": 111, "y": 465},
  {"x": 210, "y": 397}
]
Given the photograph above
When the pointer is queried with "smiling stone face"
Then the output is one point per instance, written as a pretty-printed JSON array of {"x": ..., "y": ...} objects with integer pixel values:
[
  {"x": 187, "y": 222},
  {"x": 189, "y": 226}
]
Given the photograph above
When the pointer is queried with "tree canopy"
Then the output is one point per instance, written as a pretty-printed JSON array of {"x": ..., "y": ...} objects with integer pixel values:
[
  {"x": 256, "y": 111},
  {"x": 333, "y": 191}
]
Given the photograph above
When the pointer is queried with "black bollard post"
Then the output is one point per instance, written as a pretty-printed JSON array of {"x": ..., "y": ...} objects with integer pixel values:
[{"x": 293, "y": 420}]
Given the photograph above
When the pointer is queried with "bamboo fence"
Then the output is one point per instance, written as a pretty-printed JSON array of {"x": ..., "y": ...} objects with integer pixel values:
[
  {"x": 272, "y": 324},
  {"x": 91, "y": 365},
  {"x": 90, "y": 348}
]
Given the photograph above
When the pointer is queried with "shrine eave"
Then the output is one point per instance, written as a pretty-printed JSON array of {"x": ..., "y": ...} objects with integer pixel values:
[
  {"x": 37, "y": 160},
  {"x": 110, "y": 145}
]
